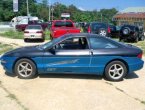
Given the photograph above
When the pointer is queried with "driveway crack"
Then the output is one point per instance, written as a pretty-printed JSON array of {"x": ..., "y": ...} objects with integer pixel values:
[
  {"x": 121, "y": 90},
  {"x": 13, "y": 97}
]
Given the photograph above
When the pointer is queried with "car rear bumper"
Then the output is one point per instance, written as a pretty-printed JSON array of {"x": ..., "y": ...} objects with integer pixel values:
[
  {"x": 129, "y": 37},
  {"x": 136, "y": 66},
  {"x": 33, "y": 36}
]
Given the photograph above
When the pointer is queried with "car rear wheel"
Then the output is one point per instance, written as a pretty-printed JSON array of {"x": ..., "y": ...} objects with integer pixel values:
[
  {"x": 115, "y": 71},
  {"x": 142, "y": 38},
  {"x": 25, "y": 69},
  {"x": 136, "y": 39},
  {"x": 25, "y": 40}
]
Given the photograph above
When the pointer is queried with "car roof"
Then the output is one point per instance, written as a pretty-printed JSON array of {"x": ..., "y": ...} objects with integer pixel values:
[
  {"x": 82, "y": 34},
  {"x": 34, "y": 25}
]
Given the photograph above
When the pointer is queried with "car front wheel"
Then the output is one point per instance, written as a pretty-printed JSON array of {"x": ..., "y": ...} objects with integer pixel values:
[
  {"x": 115, "y": 71},
  {"x": 25, "y": 69}
]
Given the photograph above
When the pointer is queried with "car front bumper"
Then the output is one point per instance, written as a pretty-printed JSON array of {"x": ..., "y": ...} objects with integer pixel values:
[{"x": 7, "y": 63}]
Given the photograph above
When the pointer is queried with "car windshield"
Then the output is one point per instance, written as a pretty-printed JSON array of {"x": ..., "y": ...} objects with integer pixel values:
[
  {"x": 63, "y": 23},
  {"x": 49, "y": 44},
  {"x": 34, "y": 27}
]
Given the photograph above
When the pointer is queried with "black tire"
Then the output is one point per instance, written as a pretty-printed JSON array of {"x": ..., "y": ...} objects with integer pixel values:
[
  {"x": 142, "y": 38},
  {"x": 136, "y": 39},
  {"x": 25, "y": 40},
  {"x": 31, "y": 66},
  {"x": 43, "y": 39},
  {"x": 120, "y": 39},
  {"x": 110, "y": 66},
  {"x": 51, "y": 38}
]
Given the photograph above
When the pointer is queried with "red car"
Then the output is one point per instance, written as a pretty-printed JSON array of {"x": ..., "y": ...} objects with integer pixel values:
[
  {"x": 61, "y": 27},
  {"x": 21, "y": 27}
]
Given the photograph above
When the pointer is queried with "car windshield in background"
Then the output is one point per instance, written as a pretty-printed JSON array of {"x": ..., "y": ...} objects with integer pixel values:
[
  {"x": 63, "y": 24},
  {"x": 34, "y": 27}
]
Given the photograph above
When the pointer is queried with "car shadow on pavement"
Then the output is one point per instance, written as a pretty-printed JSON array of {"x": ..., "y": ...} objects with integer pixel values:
[
  {"x": 10, "y": 75},
  {"x": 132, "y": 76},
  {"x": 71, "y": 76}
]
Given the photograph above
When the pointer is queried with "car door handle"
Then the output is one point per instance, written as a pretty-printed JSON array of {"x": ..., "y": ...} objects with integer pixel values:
[{"x": 91, "y": 52}]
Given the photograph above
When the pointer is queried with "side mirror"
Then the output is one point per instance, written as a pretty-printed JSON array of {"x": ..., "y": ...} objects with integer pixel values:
[{"x": 52, "y": 50}]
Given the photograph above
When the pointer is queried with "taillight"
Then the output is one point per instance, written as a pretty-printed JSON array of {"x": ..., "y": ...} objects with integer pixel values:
[
  {"x": 26, "y": 31},
  {"x": 89, "y": 29},
  {"x": 39, "y": 32},
  {"x": 109, "y": 30},
  {"x": 140, "y": 55}
]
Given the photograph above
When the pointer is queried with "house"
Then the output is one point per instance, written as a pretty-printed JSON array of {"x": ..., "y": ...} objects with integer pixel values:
[{"x": 131, "y": 15}]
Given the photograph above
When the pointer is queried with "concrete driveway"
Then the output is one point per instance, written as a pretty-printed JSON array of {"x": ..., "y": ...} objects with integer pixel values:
[{"x": 72, "y": 92}]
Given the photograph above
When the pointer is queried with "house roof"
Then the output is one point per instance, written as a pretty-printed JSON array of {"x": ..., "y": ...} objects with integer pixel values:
[
  {"x": 131, "y": 12},
  {"x": 130, "y": 15},
  {"x": 134, "y": 10}
]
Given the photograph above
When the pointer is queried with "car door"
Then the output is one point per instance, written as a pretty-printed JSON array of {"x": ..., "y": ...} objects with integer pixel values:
[
  {"x": 68, "y": 56},
  {"x": 102, "y": 52}
]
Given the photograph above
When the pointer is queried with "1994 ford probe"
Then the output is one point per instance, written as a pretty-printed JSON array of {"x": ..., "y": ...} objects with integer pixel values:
[{"x": 75, "y": 54}]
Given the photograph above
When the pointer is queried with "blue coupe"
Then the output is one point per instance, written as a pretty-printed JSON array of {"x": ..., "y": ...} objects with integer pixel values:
[{"x": 75, "y": 54}]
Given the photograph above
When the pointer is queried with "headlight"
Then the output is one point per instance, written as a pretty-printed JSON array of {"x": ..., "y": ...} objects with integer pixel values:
[
  {"x": 1, "y": 56},
  {"x": 2, "y": 61}
]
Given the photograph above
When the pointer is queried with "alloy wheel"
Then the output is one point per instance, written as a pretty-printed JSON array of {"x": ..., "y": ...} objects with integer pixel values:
[
  {"x": 116, "y": 71},
  {"x": 25, "y": 69}
]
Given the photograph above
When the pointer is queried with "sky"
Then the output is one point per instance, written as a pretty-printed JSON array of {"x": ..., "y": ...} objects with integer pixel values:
[{"x": 99, "y": 4}]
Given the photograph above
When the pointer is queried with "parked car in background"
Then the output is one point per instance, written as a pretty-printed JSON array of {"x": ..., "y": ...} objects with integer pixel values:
[
  {"x": 22, "y": 20},
  {"x": 132, "y": 33},
  {"x": 34, "y": 32},
  {"x": 75, "y": 54},
  {"x": 114, "y": 31},
  {"x": 21, "y": 27},
  {"x": 102, "y": 29},
  {"x": 61, "y": 27}
]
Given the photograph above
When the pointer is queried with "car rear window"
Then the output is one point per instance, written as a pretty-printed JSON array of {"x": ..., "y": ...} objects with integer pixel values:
[
  {"x": 99, "y": 25},
  {"x": 101, "y": 43},
  {"x": 34, "y": 27},
  {"x": 63, "y": 24}
]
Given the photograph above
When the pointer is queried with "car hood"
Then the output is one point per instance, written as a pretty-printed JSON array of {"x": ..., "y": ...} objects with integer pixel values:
[{"x": 23, "y": 51}]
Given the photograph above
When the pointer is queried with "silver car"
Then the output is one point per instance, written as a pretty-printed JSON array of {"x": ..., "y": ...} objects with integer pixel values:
[{"x": 34, "y": 32}]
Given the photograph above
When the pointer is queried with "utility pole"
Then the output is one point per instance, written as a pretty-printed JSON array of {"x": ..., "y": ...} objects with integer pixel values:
[
  {"x": 49, "y": 9},
  {"x": 52, "y": 9},
  {"x": 27, "y": 8},
  {"x": 101, "y": 17}
]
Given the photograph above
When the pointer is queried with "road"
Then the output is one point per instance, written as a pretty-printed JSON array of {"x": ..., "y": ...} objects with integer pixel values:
[{"x": 71, "y": 92}]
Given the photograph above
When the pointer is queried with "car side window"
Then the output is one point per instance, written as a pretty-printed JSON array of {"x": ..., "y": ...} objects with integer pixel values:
[
  {"x": 101, "y": 43},
  {"x": 76, "y": 43}
]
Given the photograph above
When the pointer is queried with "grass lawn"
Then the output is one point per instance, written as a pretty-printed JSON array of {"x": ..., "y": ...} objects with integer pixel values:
[
  {"x": 20, "y": 35},
  {"x": 5, "y": 47}
]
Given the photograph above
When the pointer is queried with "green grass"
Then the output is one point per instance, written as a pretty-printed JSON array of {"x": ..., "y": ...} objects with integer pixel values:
[
  {"x": 47, "y": 34},
  {"x": 140, "y": 44},
  {"x": 13, "y": 34},
  {"x": 20, "y": 35},
  {"x": 5, "y": 47}
]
